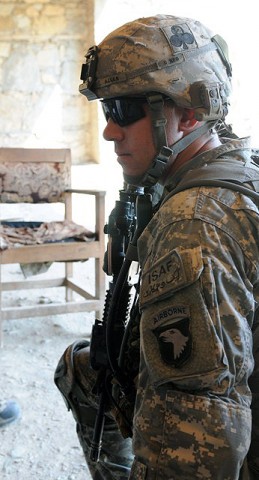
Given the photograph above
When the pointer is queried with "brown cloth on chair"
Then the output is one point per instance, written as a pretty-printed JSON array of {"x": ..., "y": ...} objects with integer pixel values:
[
  {"x": 56, "y": 231},
  {"x": 23, "y": 233}
]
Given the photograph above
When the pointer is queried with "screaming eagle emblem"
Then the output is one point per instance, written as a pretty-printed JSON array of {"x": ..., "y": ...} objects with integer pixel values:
[{"x": 174, "y": 340}]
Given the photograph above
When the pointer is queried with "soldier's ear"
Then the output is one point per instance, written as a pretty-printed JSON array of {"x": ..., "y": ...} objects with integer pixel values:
[{"x": 188, "y": 120}]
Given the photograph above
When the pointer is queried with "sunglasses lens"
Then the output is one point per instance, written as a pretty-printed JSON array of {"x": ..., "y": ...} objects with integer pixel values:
[{"x": 124, "y": 111}]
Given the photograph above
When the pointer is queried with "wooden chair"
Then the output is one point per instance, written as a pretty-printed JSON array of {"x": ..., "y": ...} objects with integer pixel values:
[{"x": 41, "y": 176}]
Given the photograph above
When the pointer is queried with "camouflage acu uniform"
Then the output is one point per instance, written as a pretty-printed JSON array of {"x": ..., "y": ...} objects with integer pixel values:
[
  {"x": 76, "y": 381},
  {"x": 199, "y": 262},
  {"x": 200, "y": 288}
]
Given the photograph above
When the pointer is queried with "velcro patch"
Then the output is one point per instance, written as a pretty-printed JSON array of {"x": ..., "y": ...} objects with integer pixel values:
[
  {"x": 162, "y": 277},
  {"x": 174, "y": 339},
  {"x": 171, "y": 273},
  {"x": 180, "y": 37}
]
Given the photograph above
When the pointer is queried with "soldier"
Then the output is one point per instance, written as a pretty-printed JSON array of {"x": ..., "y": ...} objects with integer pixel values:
[{"x": 164, "y": 83}]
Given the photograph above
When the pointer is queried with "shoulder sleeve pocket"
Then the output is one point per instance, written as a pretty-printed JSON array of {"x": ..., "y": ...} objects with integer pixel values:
[{"x": 175, "y": 270}]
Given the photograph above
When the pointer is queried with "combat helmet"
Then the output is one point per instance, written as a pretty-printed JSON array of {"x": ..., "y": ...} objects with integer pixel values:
[{"x": 162, "y": 57}]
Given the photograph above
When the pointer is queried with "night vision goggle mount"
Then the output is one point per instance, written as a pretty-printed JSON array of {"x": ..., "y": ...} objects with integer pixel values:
[
  {"x": 88, "y": 72},
  {"x": 209, "y": 100}
]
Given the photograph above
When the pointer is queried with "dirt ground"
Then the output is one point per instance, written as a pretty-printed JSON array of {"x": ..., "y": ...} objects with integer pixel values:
[{"x": 43, "y": 444}]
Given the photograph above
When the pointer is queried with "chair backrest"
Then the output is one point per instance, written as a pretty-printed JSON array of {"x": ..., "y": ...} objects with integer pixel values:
[{"x": 34, "y": 175}]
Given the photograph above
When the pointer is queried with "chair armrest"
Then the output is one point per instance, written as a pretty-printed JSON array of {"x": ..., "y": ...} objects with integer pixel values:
[
  {"x": 99, "y": 200},
  {"x": 101, "y": 193}
]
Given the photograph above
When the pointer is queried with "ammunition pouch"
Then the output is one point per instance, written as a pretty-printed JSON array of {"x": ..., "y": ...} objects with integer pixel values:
[
  {"x": 71, "y": 390},
  {"x": 79, "y": 398}
]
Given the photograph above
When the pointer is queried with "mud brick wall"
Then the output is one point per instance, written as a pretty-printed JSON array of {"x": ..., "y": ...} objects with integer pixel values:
[{"x": 42, "y": 47}]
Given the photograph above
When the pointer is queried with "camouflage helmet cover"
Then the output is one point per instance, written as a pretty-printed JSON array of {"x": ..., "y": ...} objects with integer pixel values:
[{"x": 178, "y": 57}]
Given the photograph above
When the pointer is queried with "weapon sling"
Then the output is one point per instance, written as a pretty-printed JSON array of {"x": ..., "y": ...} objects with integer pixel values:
[{"x": 108, "y": 334}]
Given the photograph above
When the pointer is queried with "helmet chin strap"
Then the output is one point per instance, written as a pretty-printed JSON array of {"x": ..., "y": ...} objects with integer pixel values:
[{"x": 161, "y": 161}]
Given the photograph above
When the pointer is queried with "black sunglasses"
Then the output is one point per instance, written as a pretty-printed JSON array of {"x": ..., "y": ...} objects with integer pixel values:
[{"x": 124, "y": 110}]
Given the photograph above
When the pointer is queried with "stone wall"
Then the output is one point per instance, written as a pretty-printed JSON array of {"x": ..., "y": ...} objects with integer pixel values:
[{"x": 42, "y": 47}]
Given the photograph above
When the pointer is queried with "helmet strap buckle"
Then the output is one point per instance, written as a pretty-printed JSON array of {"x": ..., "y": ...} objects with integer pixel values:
[
  {"x": 156, "y": 104},
  {"x": 161, "y": 161},
  {"x": 156, "y": 171}
]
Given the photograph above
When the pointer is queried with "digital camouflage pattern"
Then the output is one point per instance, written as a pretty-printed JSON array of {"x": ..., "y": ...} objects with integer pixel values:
[
  {"x": 162, "y": 57},
  {"x": 200, "y": 285},
  {"x": 166, "y": 54},
  {"x": 76, "y": 381},
  {"x": 199, "y": 276},
  {"x": 253, "y": 455},
  {"x": 200, "y": 281}
]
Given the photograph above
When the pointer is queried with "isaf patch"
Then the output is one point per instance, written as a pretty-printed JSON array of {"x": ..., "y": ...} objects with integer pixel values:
[
  {"x": 162, "y": 278},
  {"x": 174, "y": 340}
]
